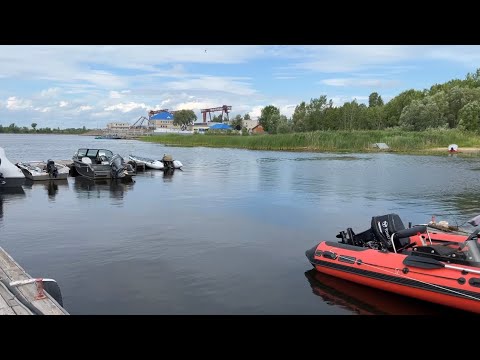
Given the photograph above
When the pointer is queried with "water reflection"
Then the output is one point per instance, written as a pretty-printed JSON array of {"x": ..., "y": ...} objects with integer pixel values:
[
  {"x": 364, "y": 300},
  {"x": 112, "y": 188},
  {"x": 9, "y": 194},
  {"x": 51, "y": 187},
  {"x": 166, "y": 175}
]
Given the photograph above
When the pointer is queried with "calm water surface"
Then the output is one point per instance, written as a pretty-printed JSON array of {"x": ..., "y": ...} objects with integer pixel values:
[{"x": 228, "y": 234}]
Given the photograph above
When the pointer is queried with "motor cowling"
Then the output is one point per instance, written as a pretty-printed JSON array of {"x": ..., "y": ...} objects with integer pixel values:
[
  {"x": 168, "y": 162},
  {"x": 117, "y": 167},
  {"x": 52, "y": 169}
]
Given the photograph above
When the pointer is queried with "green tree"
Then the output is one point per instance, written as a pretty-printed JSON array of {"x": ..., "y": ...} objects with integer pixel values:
[
  {"x": 469, "y": 116},
  {"x": 217, "y": 119},
  {"x": 298, "y": 117},
  {"x": 269, "y": 118},
  {"x": 237, "y": 122},
  {"x": 353, "y": 115},
  {"x": 393, "y": 109},
  {"x": 184, "y": 117},
  {"x": 314, "y": 113},
  {"x": 424, "y": 114},
  {"x": 284, "y": 125},
  {"x": 374, "y": 118},
  {"x": 246, "y": 116},
  {"x": 473, "y": 79},
  {"x": 34, "y": 126},
  {"x": 375, "y": 100}
]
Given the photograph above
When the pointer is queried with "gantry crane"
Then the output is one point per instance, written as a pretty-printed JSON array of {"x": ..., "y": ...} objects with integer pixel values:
[{"x": 224, "y": 109}]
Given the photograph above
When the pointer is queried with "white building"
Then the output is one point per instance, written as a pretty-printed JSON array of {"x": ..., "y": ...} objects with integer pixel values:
[
  {"x": 118, "y": 126},
  {"x": 249, "y": 124}
]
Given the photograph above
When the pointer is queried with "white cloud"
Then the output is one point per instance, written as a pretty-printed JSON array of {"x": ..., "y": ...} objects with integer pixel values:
[
  {"x": 256, "y": 112},
  {"x": 103, "y": 79},
  {"x": 14, "y": 103},
  {"x": 43, "y": 109},
  {"x": 50, "y": 92},
  {"x": 213, "y": 83},
  {"x": 118, "y": 94},
  {"x": 63, "y": 103},
  {"x": 83, "y": 108},
  {"x": 360, "y": 82},
  {"x": 194, "y": 105},
  {"x": 126, "y": 107}
]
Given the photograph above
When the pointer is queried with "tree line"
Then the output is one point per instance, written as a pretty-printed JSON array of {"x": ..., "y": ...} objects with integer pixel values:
[
  {"x": 451, "y": 105},
  {"x": 14, "y": 129}
]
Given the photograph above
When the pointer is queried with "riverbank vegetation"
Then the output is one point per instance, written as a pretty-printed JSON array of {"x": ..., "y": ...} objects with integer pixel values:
[{"x": 398, "y": 140}]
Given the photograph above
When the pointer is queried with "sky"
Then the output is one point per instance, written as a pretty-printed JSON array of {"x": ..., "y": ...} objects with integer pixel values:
[{"x": 69, "y": 86}]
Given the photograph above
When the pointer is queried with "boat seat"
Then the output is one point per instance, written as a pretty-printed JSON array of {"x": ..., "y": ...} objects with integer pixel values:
[{"x": 86, "y": 160}]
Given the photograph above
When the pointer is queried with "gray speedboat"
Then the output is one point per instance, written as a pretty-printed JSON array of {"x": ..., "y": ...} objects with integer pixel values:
[{"x": 94, "y": 163}]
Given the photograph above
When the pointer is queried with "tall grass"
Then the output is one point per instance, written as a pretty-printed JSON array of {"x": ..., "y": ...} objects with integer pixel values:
[{"x": 329, "y": 141}]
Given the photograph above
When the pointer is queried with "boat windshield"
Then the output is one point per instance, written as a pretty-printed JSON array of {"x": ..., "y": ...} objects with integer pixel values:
[{"x": 472, "y": 246}]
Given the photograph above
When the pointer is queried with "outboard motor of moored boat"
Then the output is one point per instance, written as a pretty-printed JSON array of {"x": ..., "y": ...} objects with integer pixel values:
[
  {"x": 52, "y": 169},
  {"x": 168, "y": 162},
  {"x": 384, "y": 226},
  {"x": 117, "y": 167}
]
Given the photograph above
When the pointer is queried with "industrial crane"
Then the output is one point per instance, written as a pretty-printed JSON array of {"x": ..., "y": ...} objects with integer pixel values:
[
  {"x": 224, "y": 109},
  {"x": 139, "y": 124}
]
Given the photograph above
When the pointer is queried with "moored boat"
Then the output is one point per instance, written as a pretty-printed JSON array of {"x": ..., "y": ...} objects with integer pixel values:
[
  {"x": 166, "y": 163},
  {"x": 43, "y": 170},
  {"x": 10, "y": 175},
  {"x": 94, "y": 163},
  {"x": 150, "y": 163},
  {"x": 438, "y": 267},
  {"x": 170, "y": 164}
]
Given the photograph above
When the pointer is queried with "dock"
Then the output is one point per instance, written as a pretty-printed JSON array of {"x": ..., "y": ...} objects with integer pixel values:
[{"x": 20, "y": 294}]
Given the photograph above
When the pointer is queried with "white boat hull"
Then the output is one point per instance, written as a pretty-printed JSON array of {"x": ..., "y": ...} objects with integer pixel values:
[
  {"x": 150, "y": 163},
  {"x": 177, "y": 164},
  {"x": 11, "y": 176},
  {"x": 154, "y": 164},
  {"x": 37, "y": 171}
]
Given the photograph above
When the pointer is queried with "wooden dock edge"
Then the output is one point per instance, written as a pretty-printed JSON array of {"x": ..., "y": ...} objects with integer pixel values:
[{"x": 24, "y": 299}]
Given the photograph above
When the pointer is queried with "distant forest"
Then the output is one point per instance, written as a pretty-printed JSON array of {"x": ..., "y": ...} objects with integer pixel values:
[
  {"x": 451, "y": 105},
  {"x": 14, "y": 129}
]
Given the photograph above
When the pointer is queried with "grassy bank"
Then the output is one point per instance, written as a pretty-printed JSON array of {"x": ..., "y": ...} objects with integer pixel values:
[{"x": 330, "y": 141}]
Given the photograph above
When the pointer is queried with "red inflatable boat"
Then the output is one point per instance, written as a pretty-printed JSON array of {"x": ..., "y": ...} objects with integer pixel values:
[{"x": 434, "y": 266}]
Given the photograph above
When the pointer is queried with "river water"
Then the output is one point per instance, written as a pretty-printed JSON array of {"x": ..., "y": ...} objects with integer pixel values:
[{"x": 228, "y": 234}]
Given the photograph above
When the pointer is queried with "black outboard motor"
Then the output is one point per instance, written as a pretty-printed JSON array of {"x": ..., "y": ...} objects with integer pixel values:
[
  {"x": 118, "y": 167},
  {"x": 52, "y": 169},
  {"x": 168, "y": 163}
]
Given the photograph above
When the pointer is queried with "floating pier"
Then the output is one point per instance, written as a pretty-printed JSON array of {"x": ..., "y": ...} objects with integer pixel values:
[{"x": 20, "y": 294}]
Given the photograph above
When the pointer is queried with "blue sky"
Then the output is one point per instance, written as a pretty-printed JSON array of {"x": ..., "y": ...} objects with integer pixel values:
[{"x": 78, "y": 85}]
